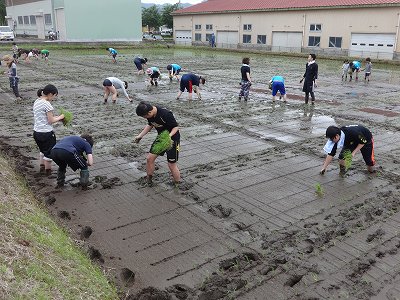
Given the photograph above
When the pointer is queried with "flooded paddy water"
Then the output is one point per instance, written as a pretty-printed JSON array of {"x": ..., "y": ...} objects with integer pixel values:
[{"x": 247, "y": 221}]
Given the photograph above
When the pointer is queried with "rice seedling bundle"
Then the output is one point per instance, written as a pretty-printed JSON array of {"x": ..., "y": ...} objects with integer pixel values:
[
  {"x": 67, "y": 117},
  {"x": 348, "y": 159},
  {"x": 162, "y": 143}
]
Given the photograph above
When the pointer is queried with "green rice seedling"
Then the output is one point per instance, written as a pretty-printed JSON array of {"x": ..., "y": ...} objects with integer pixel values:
[
  {"x": 348, "y": 159},
  {"x": 319, "y": 190},
  {"x": 67, "y": 117},
  {"x": 162, "y": 143}
]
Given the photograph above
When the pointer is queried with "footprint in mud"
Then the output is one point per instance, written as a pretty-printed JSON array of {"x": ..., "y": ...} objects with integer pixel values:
[
  {"x": 200, "y": 176},
  {"x": 127, "y": 276},
  {"x": 95, "y": 254},
  {"x": 151, "y": 293},
  {"x": 50, "y": 201},
  {"x": 238, "y": 261},
  {"x": 377, "y": 234},
  {"x": 86, "y": 232},
  {"x": 293, "y": 280},
  {"x": 64, "y": 215},
  {"x": 110, "y": 183},
  {"x": 180, "y": 291},
  {"x": 220, "y": 211}
]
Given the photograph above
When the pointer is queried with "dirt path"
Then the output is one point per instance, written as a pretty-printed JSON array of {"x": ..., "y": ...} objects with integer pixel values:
[{"x": 247, "y": 222}]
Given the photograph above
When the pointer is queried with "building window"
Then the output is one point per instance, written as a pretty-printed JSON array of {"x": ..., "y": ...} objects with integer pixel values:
[
  {"x": 315, "y": 27},
  {"x": 314, "y": 41},
  {"x": 208, "y": 37},
  {"x": 247, "y": 27},
  {"x": 197, "y": 37},
  {"x": 335, "y": 42},
  {"x": 33, "y": 20},
  {"x": 26, "y": 20},
  {"x": 47, "y": 19},
  {"x": 197, "y": 27},
  {"x": 209, "y": 27},
  {"x": 20, "y": 20},
  {"x": 246, "y": 39},
  {"x": 261, "y": 39}
]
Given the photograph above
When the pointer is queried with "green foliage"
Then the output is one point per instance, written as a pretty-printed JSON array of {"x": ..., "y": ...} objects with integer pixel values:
[
  {"x": 319, "y": 190},
  {"x": 166, "y": 16},
  {"x": 2, "y": 12},
  {"x": 162, "y": 143},
  {"x": 151, "y": 17},
  {"x": 348, "y": 159},
  {"x": 67, "y": 117}
]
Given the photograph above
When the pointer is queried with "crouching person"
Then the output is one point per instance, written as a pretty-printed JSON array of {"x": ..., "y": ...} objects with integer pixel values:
[{"x": 70, "y": 152}]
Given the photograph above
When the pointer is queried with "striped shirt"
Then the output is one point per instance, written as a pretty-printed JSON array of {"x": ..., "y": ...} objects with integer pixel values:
[{"x": 40, "y": 109}]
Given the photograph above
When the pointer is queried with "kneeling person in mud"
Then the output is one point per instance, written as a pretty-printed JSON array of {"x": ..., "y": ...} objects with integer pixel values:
[
  {"x": 161, "y": 119},
  {"x": 70, "y": 152},
  {"x": 351, "y": 139}
]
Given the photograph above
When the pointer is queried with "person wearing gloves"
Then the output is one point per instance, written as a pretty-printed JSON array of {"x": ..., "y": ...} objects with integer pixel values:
[
  {"x": 69, "y": 151},
  {"x": 154, "y": 74},
  {"x": 190, "y": 82},
  {"x": 111, "y": 85},
  {"x": 354, "y": 138}
]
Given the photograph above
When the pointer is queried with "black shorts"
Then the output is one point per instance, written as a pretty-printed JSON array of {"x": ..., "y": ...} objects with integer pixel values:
[
  {"x": 64, "y": 158},
  {"x": 114, "y": 55},
  {"x": 138, "y": 65},
  {"x": 107, "y": 82},
  {"x": 186, "y": 85},
  {"x": 367, "y": 152},
  {"x": 155, "y": 75},
  {"x": 173, "y": 153},
  {"x": 45, "y": 141}
]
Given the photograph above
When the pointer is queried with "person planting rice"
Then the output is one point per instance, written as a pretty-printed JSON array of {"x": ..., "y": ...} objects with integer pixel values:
[
  {"x": 245, "y": 83},
  {"x": 173, "y": 71},
  {"x": 154, "y": 74},
  {"x": 140, "y": 63},
  {"x": 310, "y": 78},
  {"x": 111, "y": 85},
  {"x": 167, "y": 141},
  {"x": 70, "y": 151},
  {"x": 190, "y": 82},
  {"x": 278, "y": 84},
  {"x": 351, "y": 139},
  {"x": 113, "y": 53},
  {"x": 43, "y": 133},
  {"x": 355, "y": 66},
  {"x": 45, "y": 54}
]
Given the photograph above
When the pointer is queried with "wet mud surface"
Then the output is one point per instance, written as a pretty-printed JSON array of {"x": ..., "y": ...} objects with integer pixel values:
[{"x": 247, "y": 221}]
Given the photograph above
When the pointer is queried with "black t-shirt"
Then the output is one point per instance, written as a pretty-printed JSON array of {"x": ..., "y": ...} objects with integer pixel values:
[
  {"x": 245, "y": 69},
  {"x": 164, "y": 120},
  {"x": 311, "y": 72},
  {"x": 354, "y": 135}
]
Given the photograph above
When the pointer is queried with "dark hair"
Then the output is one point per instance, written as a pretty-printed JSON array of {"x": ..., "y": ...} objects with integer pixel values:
[
  {"x": 202, "y": 80},
  {"x": 368, "y": 59},
  {"x": 143, "y": 108},
  {"x": 169, "y": 67},
  {"x": 88, "y": 139},
  {"x": 126, "y": 84},
  {"x": 246, "y": 60},
  {"x": 107, "y": 49},
  {"x": 48, "y": 89},
  {"x": 332, "y": 131},
  {"x": 314, "y": 57},
  {"x": 346, "y": 61},
  {"x": 14, "y": 43},
  {"x": 145, "y": 59}
]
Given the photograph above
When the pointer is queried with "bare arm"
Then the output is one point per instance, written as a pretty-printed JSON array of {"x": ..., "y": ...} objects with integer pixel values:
[
  {"x": 173, "y": 131},
  {"x": 145, "y": 130},
  {"x": 358, "y": 148},
  {"x": 248, "y": 76},
  {"x": 90, "y": 159},
  {"x": 52, "y": 119},
  {"x": 327, "y": 161}
]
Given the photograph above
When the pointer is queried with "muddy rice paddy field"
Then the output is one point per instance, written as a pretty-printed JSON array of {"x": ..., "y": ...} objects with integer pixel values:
[{"x": 247, "y": 222}]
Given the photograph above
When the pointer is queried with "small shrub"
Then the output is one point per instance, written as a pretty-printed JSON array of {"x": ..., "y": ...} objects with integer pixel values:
[
  {"x": 162, "y": 143},
  {"x": 67, "y": 117}
]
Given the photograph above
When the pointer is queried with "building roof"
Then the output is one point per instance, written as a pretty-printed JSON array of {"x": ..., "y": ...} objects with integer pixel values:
[{"x": 224, "y": 6}]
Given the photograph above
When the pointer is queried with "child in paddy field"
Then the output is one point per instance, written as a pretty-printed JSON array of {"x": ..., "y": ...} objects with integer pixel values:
[
  {"x": 245, "y": 82},
  {"x": 111, "y": 85},
  {"x": 190, "y": 82},
  {"x": 278, "y": 84},
  {"x": 15, "y": 52},
  {"x": 45, "y": 54},
  {"x": 367, "y": 69},
  {"x": 113, "y": 53},
  {"x": 345, "y": 69},
  {"x": 12, "y": 75},
  {"x": 140, "y": 63},
  {"x": 352, "y": 138},
  {"x": 43, "y": 133},
  {"x": 173, "y": 71},
  {"x": 154, "y": 74},
  {"x": 355, "y": 66}
]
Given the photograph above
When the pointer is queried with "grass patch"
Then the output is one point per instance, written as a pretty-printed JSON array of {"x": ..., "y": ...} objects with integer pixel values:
[
  {"x": 162, "y": 143},
  {"x": 67, "y": 117},
  {"x": 38, "y": 260}
]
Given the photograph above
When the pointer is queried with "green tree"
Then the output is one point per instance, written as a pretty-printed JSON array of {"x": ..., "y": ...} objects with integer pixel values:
[
  {"x": 166, "y": 16},
  {"x": 2, "y": 12},
  {"x": 151, "y": 17}
]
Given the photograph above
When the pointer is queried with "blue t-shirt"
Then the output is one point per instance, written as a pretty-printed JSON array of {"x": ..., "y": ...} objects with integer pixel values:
[
  {"x": 278, "y": 79},
  {"x": 112, "y": 51},
  {"x": 175, "y": 67},
  {"x": 74, "y": 144},
  {"x": 356, "y": 64},
  {"x": 155, "y": 69}
]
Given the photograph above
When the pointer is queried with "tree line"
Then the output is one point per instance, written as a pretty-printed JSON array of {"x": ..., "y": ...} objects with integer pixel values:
[{"x": 155, "y": 18}]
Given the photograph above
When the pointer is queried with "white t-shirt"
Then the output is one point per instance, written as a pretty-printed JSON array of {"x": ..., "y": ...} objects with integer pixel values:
[{"x": 40, "y": 109}]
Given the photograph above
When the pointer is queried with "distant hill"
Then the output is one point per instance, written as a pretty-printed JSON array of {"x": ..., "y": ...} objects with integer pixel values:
[{"x": 147, "y": 5}]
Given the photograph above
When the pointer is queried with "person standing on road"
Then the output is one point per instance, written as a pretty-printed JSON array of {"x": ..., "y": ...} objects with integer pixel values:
[
  {"x": 111, "y": 85},
  {"x": 190, "y": 82},
  {"x": 113, "y": 53},
  {"x": 12, "y": 75},
  {"x": 310, "y": 78},
  {"x": 161, "y": 119},
  {"x": 154, "y": 74},
  {"x": 245, "y": 82},
  {"x": 140, "y": 63},
  {"x": 44, "y": 119},
  {"x": 173, "y": 71},
  {"x": 69, "y": 151},
  {"x": 353, "y": 138},
  {"x": 278, "y": 84}
]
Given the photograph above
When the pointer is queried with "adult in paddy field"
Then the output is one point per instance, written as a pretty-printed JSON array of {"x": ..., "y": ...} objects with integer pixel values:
[
  {"x": 45, "y": 54},
  {"x": 191, "y": 82},
  {"x": 12, "y": 74},
  {"x": 355, "y": 66},
  {"x": 278, "y": 84},
  {"x": 310, "y": 78},
  {"x": 113, "y": 53},
  {"x": 140, "y": 63},
  {"x": 43, "y": 133},
  {"x": 353, "y": 138},
  {"x": 70, "y": 151},
  {"x": 161, "y": 119},
  {"x": 154, "y": 74},
  {"x": 111, "y": 85},
  {"x": 173, "y": 71},
  {"x": 245, "y": 82}
]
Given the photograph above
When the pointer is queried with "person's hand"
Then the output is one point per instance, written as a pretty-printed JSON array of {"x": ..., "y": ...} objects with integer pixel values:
[
  {"x": 322, "y": 172},
  {"x": 301, "y": 80},
  {"x": 62, "y": 117},
  {"x": 353, "y": 154},
  {"x": 315, "y": 84},
  {"x": 137, "y": 139}
]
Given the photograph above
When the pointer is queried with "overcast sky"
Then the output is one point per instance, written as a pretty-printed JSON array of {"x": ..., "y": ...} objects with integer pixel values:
[{"x": 171, "y": 1}]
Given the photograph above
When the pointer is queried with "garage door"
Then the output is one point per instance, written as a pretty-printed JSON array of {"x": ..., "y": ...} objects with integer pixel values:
[
  {"x": 183, "y": 37},
  {"x": 286, "y": 41},
  {"x": 372, "y": 45},
  {"x": 227, "y": 39}
]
